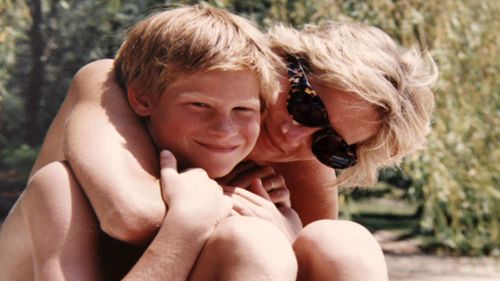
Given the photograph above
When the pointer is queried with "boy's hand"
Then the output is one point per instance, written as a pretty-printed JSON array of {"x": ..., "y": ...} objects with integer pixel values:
[{"x": 192, "y": 193}]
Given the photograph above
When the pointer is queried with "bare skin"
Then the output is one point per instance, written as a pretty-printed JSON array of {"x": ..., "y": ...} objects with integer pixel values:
[
  {"x": 137, "y": 157},
  {"x": 197, "y": 213},
  {"x": 312, "y": 194},
  {"x": 52, "y": 263},
  {"x": 236, "y": 248}
]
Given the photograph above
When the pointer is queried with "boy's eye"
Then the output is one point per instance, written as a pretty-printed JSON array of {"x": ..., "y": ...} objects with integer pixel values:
[
  {"x": 244, "y": 109},
  {"x": 199, "y": 104}
]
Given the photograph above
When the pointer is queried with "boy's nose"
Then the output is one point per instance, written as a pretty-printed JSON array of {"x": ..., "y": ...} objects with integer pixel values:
[
  {"x": 223, "y": 126},
  {"x": 295, "y": 134}
]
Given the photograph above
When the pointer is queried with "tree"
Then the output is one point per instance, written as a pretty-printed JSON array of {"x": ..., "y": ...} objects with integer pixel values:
[
  {"x": 14, "y": 21},
  {"x": 33, "y": 92}
]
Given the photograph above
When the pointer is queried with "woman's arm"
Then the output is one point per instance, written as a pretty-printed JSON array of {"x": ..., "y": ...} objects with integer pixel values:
[
  {"x": 112, "y": 156},
  {"x": 307, "y": 186},
  {"x": 312, "y": 190}
]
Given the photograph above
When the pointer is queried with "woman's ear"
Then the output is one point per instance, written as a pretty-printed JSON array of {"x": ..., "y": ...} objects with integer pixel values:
[{"x": 141, "y": 104}]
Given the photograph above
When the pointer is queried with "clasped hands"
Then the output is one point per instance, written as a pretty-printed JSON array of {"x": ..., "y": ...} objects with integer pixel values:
[{"x": 249, "y": 190}]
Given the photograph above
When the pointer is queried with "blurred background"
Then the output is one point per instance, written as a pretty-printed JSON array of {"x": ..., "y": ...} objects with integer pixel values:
[{"x": 443, "y": 201}]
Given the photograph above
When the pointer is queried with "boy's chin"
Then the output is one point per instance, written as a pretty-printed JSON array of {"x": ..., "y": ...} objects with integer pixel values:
[
  {"x": 213, "y": 170},
  {"x": 217, "y": 173}
]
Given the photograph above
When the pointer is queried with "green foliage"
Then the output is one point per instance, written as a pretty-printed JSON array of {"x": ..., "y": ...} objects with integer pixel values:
[
  {"x": 459, "y": 173},
  {"x": 73, "y": 33},
  {"x": 19, "y": 158},
  {"x": 14, "y": 21}
]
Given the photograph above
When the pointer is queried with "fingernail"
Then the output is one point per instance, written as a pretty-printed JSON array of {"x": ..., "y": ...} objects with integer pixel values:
[{"x": 165, "y": 154}]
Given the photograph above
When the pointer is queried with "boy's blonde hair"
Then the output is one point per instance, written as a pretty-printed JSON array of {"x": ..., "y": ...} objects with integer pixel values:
[
  {"x": 365, "y": 61},
  {"x": 192, "y": 39}
]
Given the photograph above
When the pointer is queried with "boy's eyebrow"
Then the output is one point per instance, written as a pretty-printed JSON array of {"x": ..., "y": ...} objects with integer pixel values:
[
  {"x": 197, "y": 95},
  {"x": 194, "y": 94}
]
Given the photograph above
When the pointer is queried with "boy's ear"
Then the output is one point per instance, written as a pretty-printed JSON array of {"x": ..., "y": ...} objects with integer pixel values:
[{"x": 141, "y": 104}]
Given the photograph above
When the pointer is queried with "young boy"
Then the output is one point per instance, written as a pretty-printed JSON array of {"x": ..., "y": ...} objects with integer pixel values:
[{"x": 197, "y": 77}]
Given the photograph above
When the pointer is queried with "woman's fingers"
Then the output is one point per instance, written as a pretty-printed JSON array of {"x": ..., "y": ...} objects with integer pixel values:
[
  {"x": 250, "y": 197},
  {"x": 243, "y": 206},
  {"x": 258, "y": 189},
  {"x": 242, "y": 167},
  {"x": 280, "y": 197},
  {"x": 274, "y": 181},
  {"x": 277, "y": 190},
  {"x": 244, "y": 175}
]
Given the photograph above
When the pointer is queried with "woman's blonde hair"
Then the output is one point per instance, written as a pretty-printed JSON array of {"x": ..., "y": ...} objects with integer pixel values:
[
  {"x": 191, "y": 39},
  {"x": 365, "y": 61}
]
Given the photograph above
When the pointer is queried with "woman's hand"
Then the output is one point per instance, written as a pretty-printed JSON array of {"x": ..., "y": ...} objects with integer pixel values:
[
  {"x": 244, "y": 175},
  {"x": 258, "y": 191},
  {"x": 258, "y": 204}
]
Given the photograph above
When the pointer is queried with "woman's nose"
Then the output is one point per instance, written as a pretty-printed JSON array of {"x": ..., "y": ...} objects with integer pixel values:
[{"x": 295, "y": 134}]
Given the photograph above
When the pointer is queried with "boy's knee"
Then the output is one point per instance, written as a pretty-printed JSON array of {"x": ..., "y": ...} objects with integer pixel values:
[
  {"x": 52, "y": 174},
  {"x": 337, "y": 238},
  {"x": 334, "y": 231},
  {"x": 253, "y": 240},
  {"x": 249, "y": 232},
  {"x": 340, "y": 247},
  {"x": 48, "y": 189}
]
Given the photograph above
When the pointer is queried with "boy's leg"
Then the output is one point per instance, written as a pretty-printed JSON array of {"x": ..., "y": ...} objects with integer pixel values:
[
  {"x": 246, "y": 248},
  {"x": 63, "y": 227},
  {"x": 339, "y": 250},
  {"x": 16, "y": 263}
]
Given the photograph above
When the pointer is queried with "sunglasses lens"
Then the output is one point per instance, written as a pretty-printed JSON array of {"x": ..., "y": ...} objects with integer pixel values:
[
  {"x": 307, "y": 110},
  {"x": 332, "y": 151}
]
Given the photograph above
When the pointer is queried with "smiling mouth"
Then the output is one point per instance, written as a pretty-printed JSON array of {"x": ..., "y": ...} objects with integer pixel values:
[{"x": 219, "y": 147}]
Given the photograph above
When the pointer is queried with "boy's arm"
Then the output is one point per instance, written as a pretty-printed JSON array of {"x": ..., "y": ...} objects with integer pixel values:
[
  {"x": 112, "y": 156},
  {"x": 197, "y": 205},
  {"x": 312, "y": 191},
  {"x": 173, "y": 252}
]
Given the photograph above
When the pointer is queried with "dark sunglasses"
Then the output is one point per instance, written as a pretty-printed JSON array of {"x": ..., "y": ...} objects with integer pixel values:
[{"x": 306, "y": 108}]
